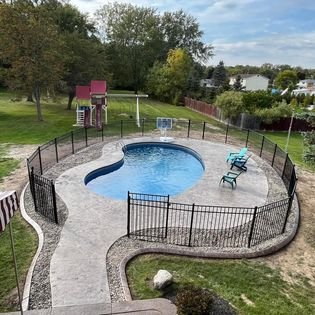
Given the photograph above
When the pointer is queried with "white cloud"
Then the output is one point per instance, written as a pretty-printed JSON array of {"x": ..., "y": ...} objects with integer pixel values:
[{"x": 295, "y": 49}]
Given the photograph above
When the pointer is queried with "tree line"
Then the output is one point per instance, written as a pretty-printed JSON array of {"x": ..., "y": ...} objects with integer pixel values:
[{"x": 51, "y": 45}]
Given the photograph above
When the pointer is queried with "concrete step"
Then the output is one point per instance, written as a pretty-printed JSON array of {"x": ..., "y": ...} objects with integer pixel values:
[{"x": 143, "y": 307}]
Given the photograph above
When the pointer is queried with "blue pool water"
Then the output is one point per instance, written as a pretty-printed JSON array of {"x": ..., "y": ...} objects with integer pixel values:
[{"x": 150, "y": 168}]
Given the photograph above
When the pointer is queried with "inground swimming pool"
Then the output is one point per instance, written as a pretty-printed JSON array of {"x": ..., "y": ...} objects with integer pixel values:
[{"x": 149, "y": 168}]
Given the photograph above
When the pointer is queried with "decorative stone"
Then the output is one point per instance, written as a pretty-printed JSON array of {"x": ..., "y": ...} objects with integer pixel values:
[{"x": 162, "y": 279}]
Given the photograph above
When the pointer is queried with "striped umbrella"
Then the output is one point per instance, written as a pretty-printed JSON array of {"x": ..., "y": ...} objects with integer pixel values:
[{"x": 9, "y": 204}]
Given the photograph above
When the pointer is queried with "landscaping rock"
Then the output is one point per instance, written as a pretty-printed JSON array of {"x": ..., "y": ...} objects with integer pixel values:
[{"x": 162, "y": 279}]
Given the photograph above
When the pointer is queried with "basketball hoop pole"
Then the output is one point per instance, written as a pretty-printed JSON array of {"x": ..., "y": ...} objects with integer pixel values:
[{"x": 137, "y": 113}]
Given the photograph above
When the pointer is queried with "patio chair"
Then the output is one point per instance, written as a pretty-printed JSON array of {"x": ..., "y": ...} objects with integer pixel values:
[
  {"x": 233, "y": 155},
  {"x": 230, "y": 177},
  {"x": 240, "y": 163}
]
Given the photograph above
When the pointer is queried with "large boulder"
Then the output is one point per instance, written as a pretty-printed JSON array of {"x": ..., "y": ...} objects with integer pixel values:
[{"x": 162, "y": 279}]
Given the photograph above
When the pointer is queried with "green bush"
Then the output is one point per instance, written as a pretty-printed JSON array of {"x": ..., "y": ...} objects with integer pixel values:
[
  {"x": 257, "y": 100},
  {"x": 278, "y": 110},
  {"x": 191, "y": 300}
]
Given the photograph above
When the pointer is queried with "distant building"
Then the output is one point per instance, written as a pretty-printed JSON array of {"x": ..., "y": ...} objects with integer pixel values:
[
  {"x": 252, "y": 82},
  {"x": 305, "y": 87},
  {"x": 208, "y": 83}
]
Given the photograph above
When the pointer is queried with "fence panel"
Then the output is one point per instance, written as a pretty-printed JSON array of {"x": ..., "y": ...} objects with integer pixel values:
[
  {"x": 269, "y": 221},
  {"x": 255, "y": 142},
  {"x": 216, "y": 226},
  {"x": 78, "y": 139},
  {"x": 44, "y": 196},
  {"x": 268, "y": 150},
  {"x": 279, "y": 161},
  {"x": 34, "y": 162},
  {"x": 48, "y": 155},
  {"x": 64, "y": 146},
  {"x": 147, "y": 216},
  {"x": 94, "y": 136}
]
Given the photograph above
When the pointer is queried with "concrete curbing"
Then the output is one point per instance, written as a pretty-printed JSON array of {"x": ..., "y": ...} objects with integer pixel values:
[
  {"x": 28, "y": 280},
  {"x": 218, "y": 255}
]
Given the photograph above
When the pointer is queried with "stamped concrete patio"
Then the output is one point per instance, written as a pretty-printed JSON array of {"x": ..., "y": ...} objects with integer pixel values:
[{"x": 78, "y": 273}]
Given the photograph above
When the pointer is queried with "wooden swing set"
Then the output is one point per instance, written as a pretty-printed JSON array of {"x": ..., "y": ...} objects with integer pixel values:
[{"x": 92, "y": 100}]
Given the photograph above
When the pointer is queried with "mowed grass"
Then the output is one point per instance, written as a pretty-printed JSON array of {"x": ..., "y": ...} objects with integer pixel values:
[
  {"x": 7, "y": 164},
  {"x": 19, "y": 123},
  {"x": 25, "y": 241},
  {"x": 264, "y": 287}
]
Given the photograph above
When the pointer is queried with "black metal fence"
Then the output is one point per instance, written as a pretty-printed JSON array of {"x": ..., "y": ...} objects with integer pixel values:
[
  {"x": 55, "y": 150},
  {"x": 156, "y": 218},
  {"x": 44, "y": 196}
]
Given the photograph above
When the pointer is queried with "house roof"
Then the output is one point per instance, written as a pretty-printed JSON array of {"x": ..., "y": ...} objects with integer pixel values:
[
  {"x": 245, "y": 76},
  {"x": 82, "y": 92},
  {"x": 98, "y": 87}
]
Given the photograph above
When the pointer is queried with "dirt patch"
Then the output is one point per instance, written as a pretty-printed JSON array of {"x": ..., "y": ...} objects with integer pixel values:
[
  {"x": 298, "y": 258},
  {"x": 19, "y": 177}
]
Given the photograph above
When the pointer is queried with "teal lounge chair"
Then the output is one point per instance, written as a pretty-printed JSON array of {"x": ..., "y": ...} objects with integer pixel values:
[
  {"x": 233, "y": 155},
  {"x": 230, "y": 177},
  {"x": 240, "y": 163}
]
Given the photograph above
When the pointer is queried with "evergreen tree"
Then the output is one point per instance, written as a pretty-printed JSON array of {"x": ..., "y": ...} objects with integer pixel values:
[
  {"x": 220, "y": 75},
  {"x": 238, "y": 86}
]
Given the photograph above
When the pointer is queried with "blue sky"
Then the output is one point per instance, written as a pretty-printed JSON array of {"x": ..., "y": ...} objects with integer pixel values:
[{"x": 245, "y": 31}]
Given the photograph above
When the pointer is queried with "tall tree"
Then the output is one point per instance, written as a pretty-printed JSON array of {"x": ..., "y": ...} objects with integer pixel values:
[
  {"x": 133, "y": 38},
  {"x": 220, "y": 75},
  {"x": 231, "y": 103},
  {"x": 86, "y": 58},
  {"x": 168, "y": 81},
  {"x": 29, "y": 42},
  {"x": 181, "y": 30},
  {"x": 238, "y": 86},
  {"x": 286, "y": 79}
]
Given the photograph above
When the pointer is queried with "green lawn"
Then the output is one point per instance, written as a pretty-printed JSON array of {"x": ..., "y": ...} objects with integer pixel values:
[
  {"x": 231, "y": 279},
  {"x": 19, "y": 124},
  {"x": 25, "y": 246},
  {"x": 295, "y": 147}
]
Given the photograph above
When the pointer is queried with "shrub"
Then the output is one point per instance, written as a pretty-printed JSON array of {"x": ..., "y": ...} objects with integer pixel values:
[
  {"x": 278, "y": 110},
  {"x": 191, "y": 300}
]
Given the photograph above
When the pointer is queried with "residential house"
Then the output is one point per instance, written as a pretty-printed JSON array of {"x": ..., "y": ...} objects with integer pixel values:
[
  {"x": 252, "y": 82},
  {"x": 305, "y": 87},
  {"x": 208, "y": 83}
]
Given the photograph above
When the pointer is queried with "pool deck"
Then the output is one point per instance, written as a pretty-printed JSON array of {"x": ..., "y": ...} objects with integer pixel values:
[{"x": 78, "y": 267}]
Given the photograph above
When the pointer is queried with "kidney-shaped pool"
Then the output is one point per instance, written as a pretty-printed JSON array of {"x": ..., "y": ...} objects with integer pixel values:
[{"x": 149, "y": 168}]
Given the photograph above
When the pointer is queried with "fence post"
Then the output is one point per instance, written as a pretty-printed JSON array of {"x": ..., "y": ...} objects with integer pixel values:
[
  {"x": 287, "y": 214},
  {"x": 247, "y": 137},
  {"x": 102, "y": 132},
  {"x": 167, "y": 213},
  {"x": 226, "y": 132},
  {"x": 53, "y": 192},
  {"x": 293, "y": 181},
  {"x": 56, "y": 150},
  {"x": 31, "y": 177},
  {"x": 142, "y": 127},
  {"x": 121, "y": 129},
  {"x": 86, "y": 137},
  {"x": 191, "y": 223},
  {"x": 188, "y": 132},
  {"x": 252, "y": 228},
  {"x": 40, "y": 161},
  {"x": 262, "y": 145},
  {"x": 72, "y": 142},
  {"x": 203, "y": 130},
  {"x": 128, "y": 215},
  {"x": 274, "y": 155},
  {"x": 285, "y": 165},
  {"x": 33, "y": 188}
]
